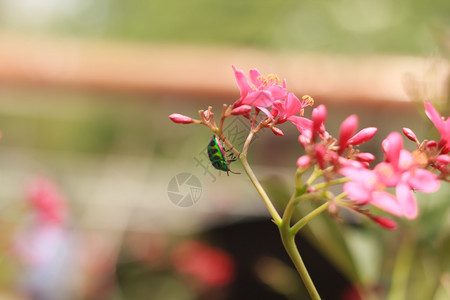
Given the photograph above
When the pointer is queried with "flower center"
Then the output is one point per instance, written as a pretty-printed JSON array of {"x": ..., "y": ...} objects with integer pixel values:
[{"x": 268, "y": 81}]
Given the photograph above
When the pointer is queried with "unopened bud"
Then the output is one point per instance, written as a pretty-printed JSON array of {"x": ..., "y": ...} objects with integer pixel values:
[
  {"x": 277, "y": 131},
  {"x": 363, "y": 136},
  {"x": 303, "y": 161},
  {"x": 384, "y": 222},
  {"x": 182, "y": 119},
  {"x": 365, "y": 156},
  {"x": 241, "y": 110},
  {"x": 410, "y": 135}
]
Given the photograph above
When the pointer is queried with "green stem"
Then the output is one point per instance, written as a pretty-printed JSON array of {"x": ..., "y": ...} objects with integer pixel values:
[
  {"x": 287, "y": 236},
  {"x": 322, "y": 185},
  {"x": 288, "y": 239},
  {"x": 272, "y": 210},
  {"x": 303, "y": 221}
]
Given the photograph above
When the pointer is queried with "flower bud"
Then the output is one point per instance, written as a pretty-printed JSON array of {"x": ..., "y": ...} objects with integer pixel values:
[
  {"x": 277, "y": 131},
  {"x": 410, "y": 134},
  {"x": 384, "y": 222},
  {"x": 243, "y": 109},
  {"x": 365, "y": 156},
  {"x": 182, "y": 119},
  {"x": 346, "y": 131},
  {"x": 443, "y": 159},
  {"x": 431, "y": 144},
  {"x": 303, "y": 161},
  {"x": 363, "y": 136}
]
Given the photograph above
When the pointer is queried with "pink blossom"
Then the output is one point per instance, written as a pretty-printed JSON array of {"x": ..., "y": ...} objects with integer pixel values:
[{"x": 260, "y": 91}]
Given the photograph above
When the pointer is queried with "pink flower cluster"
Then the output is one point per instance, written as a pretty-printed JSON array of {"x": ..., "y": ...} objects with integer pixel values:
[{"x": 401, "y": 171}]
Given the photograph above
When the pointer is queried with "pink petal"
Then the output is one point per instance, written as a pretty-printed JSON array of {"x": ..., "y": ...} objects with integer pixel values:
[
  {"x": 424, "y": 181},
  {"x": 277, "y": 92},
  {"x": 293, "y": 105},
  {"x": 255, "y": 77},
  {"x": 406, "y": 200},
  {"x": 242, "y": 82},
  {"x": 405, "y": 160},
  {"x": 387, "y": 174},
  {"x": 386, "y": 202},
  {"x": 392, "y": 146},
  {"x": 357, "y": 192},
  {"x": 258, "y": 98},
  {"x": 266, "y": 112},
  {"x": 363, "y": 136},
  {"x": 301, "y": 123},
  {"x": 434, "y": 116}
]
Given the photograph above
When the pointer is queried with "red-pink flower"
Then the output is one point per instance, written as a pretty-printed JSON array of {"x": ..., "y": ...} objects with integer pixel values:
[
  {"x": 210, "y": 266},
  {"x": 260, "y": 91},
  {"x": 442, "y": 125}
]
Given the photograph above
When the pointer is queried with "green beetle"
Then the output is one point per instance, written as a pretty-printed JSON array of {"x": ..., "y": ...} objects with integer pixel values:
[{"x": 217, "y": 156}]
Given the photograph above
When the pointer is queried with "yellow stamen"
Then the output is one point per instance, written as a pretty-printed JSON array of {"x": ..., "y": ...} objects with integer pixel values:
[
  {"x": 269, "y": 81},
  {"x": 308, "y": 100}
]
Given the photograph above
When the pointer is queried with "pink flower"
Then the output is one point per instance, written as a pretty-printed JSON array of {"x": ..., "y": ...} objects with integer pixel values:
[
  {"x": 288, "y": 108},
  {"x": 284, "y": 109},
  {"x": 442, "y": 125},
  {"x": 402, "y": 172},
  {"x": 46, "y": 200},
  {"x": 399, "y": 171},
  {"x": 260, "y": 91}
]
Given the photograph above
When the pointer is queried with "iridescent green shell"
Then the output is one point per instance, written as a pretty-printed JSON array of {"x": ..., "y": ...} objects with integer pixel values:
[{"x": 217, "y": 155}]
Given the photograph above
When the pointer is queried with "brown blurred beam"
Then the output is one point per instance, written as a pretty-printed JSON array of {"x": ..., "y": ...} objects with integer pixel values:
[{"x": 198, "y": 71}]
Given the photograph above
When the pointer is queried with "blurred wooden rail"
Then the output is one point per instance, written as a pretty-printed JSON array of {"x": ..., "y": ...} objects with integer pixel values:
[{"x": 206, "y": 71}]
